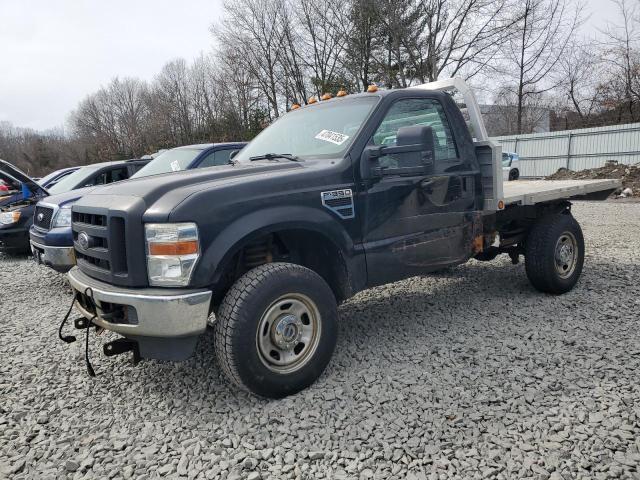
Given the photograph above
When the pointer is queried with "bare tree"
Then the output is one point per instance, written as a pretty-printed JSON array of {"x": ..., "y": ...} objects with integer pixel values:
[
  {"x": 115, "y": 119},
  {"x": 243, "y": 110},
  {"x": 361, "y": 29},
  {"x": 254, "y": 29},
  {"x": 622, "y": 54},
  {"x": 581, "y": 76},
  {"x": 295, "y": 84},
  {"x": 456, "y": 37},
  {"x": 172, "y": 101},
  {"x": 322, "y": 41},
  {"x": 544, "y": 30}
]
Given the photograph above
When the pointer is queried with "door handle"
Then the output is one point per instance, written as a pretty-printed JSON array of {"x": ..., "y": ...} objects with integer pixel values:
[{"x": 427, "y": 185}]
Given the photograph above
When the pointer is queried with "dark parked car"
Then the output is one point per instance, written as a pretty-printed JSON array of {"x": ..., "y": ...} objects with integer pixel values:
[
  {"x": 16, "y": 207},
  {"x": 18, "y": 210},
  {"x": 51, "y": 237}
]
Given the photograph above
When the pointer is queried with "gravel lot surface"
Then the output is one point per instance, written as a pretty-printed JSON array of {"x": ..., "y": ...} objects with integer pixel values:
[{"x": 469, "y": 374}]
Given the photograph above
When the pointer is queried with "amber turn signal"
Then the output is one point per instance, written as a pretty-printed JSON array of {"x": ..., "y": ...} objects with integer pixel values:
[{"x": 186, "y": 247}]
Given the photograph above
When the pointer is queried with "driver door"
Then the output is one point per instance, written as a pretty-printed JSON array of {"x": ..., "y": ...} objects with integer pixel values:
[{"x": 416, "y": 220}]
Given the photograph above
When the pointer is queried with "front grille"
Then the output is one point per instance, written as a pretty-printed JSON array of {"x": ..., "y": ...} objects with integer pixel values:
[
  {"x": 90, "y": 219},
  {"x": 99, "y": 242},
  {"x": 42, "y": 217},
  {"x": 108, "y": 237}
]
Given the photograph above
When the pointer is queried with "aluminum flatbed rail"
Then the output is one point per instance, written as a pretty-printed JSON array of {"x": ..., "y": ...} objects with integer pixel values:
[{"x": 530, "y": 192}]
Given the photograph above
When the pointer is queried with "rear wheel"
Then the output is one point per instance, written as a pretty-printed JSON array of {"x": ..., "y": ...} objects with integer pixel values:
[
  {"x": 554, "y": 253},
  {"x": 276, "y": 329},
  {"x": 514, "y": 174}
]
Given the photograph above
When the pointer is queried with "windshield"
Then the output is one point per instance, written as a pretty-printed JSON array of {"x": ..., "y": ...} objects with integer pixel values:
[
  {"x": 171, "y": 161},
  {"x": 72, "y": 181},
  {"x": 44, "y": 180},
  {"x": 324, "y": 130}
]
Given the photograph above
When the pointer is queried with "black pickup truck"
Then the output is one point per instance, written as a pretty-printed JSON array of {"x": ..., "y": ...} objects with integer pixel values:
[{"x": 333, "y": 198}]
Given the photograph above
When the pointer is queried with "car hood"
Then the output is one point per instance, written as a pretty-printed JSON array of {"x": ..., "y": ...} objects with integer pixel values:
[
  {"x": 19, "y": 176},
  {"x": 71, "y": 196},
  {"x": 179, "y": 185}
]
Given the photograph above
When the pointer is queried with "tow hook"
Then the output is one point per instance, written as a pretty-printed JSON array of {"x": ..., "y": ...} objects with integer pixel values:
[
  {"x": 81, "y": 323},
  {"x": 122, "y": 345}
]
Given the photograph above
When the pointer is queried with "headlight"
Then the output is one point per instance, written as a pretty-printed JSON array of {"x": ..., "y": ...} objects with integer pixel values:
[
  {"x": 63, "y": 217},
  {"x": 172, "y": 251},
  {"x": 7, "y": 218}
]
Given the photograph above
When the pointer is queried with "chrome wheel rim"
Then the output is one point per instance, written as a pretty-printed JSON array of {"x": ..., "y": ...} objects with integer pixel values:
[
  {"x": 288, "y": 333},
  {"x": 566, "y": 255}
]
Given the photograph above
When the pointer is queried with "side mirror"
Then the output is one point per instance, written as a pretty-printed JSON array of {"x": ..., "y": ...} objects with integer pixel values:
[
  {"x": 417, "y": 144},
  {"x": 413, "y": 153}
]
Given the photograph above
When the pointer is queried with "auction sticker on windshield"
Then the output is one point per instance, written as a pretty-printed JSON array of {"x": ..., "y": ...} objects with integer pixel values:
[
  {"x": 175, "y": 166},
  {"x": 333, "y": 137}
]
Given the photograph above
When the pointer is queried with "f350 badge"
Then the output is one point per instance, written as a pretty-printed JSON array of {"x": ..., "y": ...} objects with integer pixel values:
[{"x": 339, "y": 202}]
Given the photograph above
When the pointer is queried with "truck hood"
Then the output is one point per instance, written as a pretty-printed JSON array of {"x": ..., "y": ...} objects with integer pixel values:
[
  {"x": 19, "y": 176},
  {"x": 182, "y": 184}
]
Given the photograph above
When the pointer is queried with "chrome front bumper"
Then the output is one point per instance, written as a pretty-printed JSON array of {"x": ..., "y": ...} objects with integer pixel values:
[
  {"x": 61, "y": 259},
  {"x": 152, "y": 312}
]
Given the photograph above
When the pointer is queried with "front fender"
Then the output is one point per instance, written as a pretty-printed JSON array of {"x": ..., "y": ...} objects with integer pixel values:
[{"x": 243, "y": 230}]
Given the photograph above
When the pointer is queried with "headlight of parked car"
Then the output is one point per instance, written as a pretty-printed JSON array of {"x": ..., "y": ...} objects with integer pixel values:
[
  {"x": 172, "y": 252},
  {"x": 7, "y": 218},
  {"x": 63, "y": 217}
]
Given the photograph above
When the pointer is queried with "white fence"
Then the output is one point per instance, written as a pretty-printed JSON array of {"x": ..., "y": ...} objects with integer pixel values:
[{"x": 542, "y": 154}]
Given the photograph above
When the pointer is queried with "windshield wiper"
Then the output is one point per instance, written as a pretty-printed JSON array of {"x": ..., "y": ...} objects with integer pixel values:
[{"x": 273, "y": 156}]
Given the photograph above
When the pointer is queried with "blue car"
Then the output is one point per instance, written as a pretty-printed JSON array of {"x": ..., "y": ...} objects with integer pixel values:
[{"x": 51, "y": 235}]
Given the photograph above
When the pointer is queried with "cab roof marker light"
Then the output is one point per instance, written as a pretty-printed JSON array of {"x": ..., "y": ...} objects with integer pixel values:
[
  {"x": 341, "y": 93},
  {"x": 312, "y": 100},
  {"x": 372, "y": 88},
  {"x": 326, "y": 96}
]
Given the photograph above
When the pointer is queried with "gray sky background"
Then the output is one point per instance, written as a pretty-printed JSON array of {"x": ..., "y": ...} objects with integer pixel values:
[{"x": 54, "y": 53}]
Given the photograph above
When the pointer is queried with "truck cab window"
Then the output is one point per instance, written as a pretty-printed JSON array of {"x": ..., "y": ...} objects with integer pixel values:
[{"x": 411, "y": 112}]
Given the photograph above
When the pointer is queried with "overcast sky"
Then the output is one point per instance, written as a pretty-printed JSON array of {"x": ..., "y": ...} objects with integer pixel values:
[{"x": 54, "y": 53}]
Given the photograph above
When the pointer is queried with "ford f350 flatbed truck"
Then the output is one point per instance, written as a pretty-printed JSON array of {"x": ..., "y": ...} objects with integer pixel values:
[{"x": 332, "y": 198}]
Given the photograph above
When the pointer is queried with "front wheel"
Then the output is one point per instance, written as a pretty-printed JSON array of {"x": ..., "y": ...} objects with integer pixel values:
[
  {"x": 276, "y": 329},
  {"x": 554, "y": 253}
]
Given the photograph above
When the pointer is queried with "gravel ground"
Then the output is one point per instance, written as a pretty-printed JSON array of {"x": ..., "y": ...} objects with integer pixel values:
[{"x": 469, "y": 374}]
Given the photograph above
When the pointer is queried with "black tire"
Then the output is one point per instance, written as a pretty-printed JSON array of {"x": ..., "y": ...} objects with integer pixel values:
[
  {"x": 545, "y": 269},
  {"x": 514, "y": 174},
  {"x": 244, "y": 309}
]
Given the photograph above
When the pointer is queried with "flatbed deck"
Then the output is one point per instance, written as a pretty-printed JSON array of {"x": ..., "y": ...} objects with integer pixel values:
[{"x": 530, "y": 192}]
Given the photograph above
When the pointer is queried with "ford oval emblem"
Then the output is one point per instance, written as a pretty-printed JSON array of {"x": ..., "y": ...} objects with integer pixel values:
[{"x": 83, "y": 240}]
